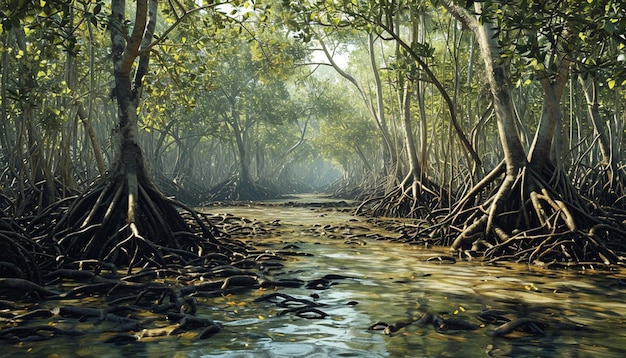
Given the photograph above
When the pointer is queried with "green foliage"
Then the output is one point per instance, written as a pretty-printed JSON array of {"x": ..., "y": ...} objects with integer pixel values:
[
  {"x": 242, "y": 60},
  {"x": 344, "y": 126},
  {"x": 589, "y": 32}
]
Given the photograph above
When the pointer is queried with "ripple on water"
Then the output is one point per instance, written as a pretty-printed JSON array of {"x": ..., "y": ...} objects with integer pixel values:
[
  {"x": 391, "y": 282},
  {"x": 296, "y": 350}
]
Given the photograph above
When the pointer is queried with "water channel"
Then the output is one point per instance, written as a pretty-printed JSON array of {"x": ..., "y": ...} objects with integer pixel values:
[{"x": 390, "y": 282}]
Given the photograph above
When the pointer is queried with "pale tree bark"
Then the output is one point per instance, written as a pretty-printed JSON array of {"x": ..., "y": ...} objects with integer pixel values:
[
  {"x": 406, "y": 89},
  {"x": 86, "y": 116},
  {"x": 610, "y": 186},
  {"x": 496, "y": 74},
  {"x": 408, "y": 198},
  {"x": 542, "y": 147},
  {"x": 515, "y": 159},
  {"x": 536, "y": 214},
  {"x": 380, "y": 106},
  {"x": 124, "y": 218},
  {"x": 420, "y": 93},
  {"x": 388, "y": 26},
  {"x": 590, "y": 89},
  {"x": 86, "y": 119}
]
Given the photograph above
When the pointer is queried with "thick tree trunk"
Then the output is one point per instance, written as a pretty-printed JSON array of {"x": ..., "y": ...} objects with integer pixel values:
[
  {"x": 130, "y": 162},
  {"x": 124, "y": 218},
  {"x": 536, "y": 213},
  {"x": 514, "y": 155},
  {"x": 542, "y": 147}
]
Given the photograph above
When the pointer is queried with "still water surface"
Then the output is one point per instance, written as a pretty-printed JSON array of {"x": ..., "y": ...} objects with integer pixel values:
[
  {"x": 394, "y": 281},
  {"x": 390, "y": 282}
]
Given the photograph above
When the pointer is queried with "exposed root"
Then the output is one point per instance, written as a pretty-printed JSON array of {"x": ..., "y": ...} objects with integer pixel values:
[
  {"x": 409, "y": 199},
  {"x": 148, "y": 302},
  {"x": 104, "y": 225},
  {"x": 18, "y": 256},
  {"x": 370, "y": 187},
  {"x": 17, "y": 250},
  {"x": 605, "y": 183},
  {"x": 237, "y": 189},
  {"x": 533, "y": 217}
]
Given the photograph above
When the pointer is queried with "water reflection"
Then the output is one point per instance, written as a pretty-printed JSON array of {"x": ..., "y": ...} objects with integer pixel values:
[
  {"x": 386, "y": 282},
  {"x": 391, "y": 282}
]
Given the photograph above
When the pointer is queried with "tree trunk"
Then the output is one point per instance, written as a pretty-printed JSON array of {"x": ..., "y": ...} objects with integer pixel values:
[
  {"x": 514, "y": 155},
  {"x": 375, "y": 111},
  {"x": 130, "y": 162},
  {"x": 541, "y": 150},
  {"x": 244, "y": 165},
  {"x": 590, "y": 90},
  {"x": 536, "y": 215},
  {"x": 390, "y": 148},
  {"x": 124, "y": 218},
  {"x": 39, "y": 168},
  {"x": 496, "y": 73}
]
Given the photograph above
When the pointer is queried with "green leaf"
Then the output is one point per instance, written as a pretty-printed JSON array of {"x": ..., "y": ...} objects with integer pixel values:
[{"x": 611, "y": 83}]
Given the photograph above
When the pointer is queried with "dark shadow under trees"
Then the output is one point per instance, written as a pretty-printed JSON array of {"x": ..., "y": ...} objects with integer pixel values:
[{"x": 238, "y": 188}]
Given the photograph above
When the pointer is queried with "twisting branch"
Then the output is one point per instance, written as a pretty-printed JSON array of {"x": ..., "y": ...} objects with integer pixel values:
[
  {"x": 179, "y": 20},
  {"x": 433, "y": 78}
]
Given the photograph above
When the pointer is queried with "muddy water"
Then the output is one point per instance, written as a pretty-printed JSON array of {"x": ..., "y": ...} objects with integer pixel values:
[
  {"x": 386, "y": 282},
  {"x": 391, "y": 282}
]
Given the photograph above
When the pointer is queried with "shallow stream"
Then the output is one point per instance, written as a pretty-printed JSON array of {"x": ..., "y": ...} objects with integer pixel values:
[{"x": 391, "y": 282}]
